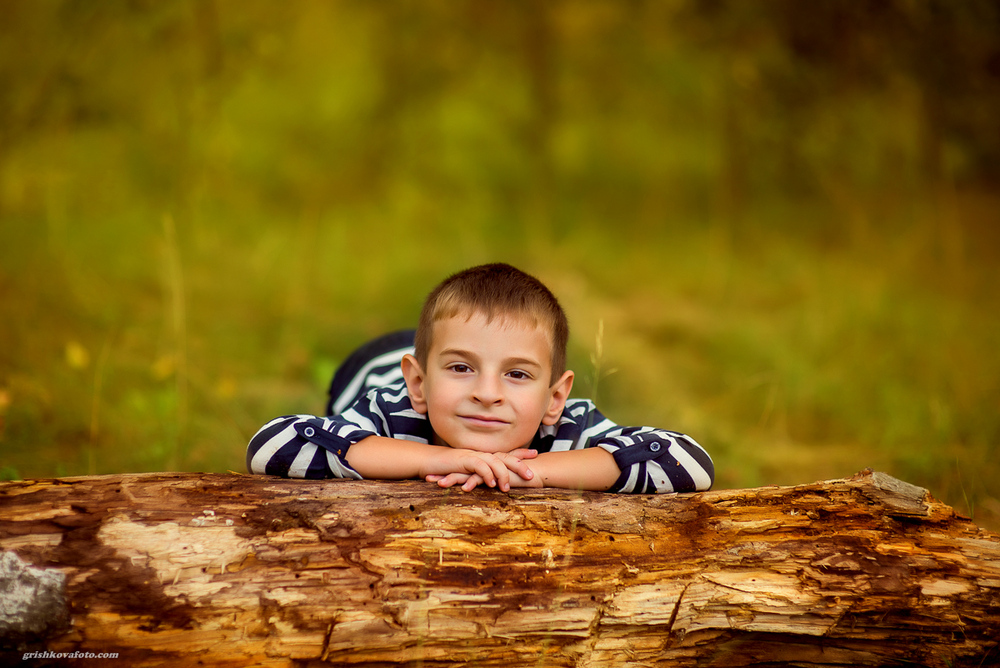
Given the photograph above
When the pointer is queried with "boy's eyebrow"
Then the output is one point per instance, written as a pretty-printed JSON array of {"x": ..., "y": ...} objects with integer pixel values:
[
  {"x": 521, "y": 361},
  {"x": 458, "y": 352}
]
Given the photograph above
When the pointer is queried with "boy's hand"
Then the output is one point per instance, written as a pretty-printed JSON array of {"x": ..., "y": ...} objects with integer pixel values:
[
  {"x": 470, "y": 481},
  {"x": 470, "y": 469},
  {"x": 592, "y": 469}
]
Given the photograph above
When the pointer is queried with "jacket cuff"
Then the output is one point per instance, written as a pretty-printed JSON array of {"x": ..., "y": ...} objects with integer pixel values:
[
  {"x": 642, "y": 449},
  {"x": 313, "y": 431},
  {"x": 632, "y": 453}
]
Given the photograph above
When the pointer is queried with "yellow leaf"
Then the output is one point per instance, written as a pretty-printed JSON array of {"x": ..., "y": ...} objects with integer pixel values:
[
  {"x": 164, "y": 367},
  {"x": 77, "y": 356},
  {"x": 226, "y": 388}
]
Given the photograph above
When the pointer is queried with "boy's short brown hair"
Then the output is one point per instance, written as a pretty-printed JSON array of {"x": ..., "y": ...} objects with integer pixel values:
[{"x": 495, "y": 290}]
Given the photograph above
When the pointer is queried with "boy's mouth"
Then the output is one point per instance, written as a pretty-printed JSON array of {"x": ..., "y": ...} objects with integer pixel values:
[{"x": 483, "y": 420}]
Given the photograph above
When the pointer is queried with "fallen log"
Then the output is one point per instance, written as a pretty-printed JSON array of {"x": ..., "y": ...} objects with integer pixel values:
[{"x": 232, "y": 570}]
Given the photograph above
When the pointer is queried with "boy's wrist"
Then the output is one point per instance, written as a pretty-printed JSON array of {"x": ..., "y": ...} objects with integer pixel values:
[
  {"x": 536, "y": 481},
  {"x": 590, "y": 469}
]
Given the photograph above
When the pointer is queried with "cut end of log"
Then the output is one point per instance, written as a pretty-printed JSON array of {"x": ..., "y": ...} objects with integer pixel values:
[{"x": 32, "y": 600}]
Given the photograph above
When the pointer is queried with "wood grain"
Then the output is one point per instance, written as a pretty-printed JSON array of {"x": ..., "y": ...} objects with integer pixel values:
[{"x": 231, "y": 570}]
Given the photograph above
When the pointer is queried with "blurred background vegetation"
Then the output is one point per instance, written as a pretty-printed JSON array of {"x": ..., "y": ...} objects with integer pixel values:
[{"x": 774, "y": 224}]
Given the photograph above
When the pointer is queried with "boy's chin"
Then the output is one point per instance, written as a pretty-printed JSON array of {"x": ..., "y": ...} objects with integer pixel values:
[{"x": 476, "y": 445}]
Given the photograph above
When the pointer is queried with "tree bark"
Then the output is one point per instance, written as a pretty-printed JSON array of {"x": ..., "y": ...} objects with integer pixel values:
[{"x": 233, "y": 570}]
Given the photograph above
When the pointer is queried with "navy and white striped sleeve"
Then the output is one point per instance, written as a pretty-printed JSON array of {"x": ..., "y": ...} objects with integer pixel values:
[
  {"x": 304, "y": 446},
  {"x": 307, "y": 446},
  {"x": 659, "y": 461},
  {"x": 651, "y": 460}
]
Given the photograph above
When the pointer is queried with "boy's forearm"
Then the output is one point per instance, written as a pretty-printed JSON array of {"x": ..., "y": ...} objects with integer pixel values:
[
  {"x": 383, "y": 458},
  {"x": 591, "y": 469}
]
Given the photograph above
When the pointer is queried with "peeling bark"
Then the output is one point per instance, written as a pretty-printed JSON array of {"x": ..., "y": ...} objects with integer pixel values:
[{"x": 220, "y": 570}]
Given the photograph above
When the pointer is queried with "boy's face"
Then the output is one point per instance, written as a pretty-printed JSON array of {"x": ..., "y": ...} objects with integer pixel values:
[{"x": 486, "y": 384}]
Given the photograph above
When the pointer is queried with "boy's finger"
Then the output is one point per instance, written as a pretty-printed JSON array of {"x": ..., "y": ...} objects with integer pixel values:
[
  {"x": 499, "y": 469},
  {"x": 520, "y": 468},
  {"x": 448, "y": 480},
  {"x": 473, "y": 482},
  {"x": 503, "y": 477},
  {"x": 523, "y": 453},
  {"x": 483, "y": 468}
]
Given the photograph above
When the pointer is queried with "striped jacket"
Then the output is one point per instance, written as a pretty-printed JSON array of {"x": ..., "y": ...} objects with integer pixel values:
[{"x": 306, "y": 446}]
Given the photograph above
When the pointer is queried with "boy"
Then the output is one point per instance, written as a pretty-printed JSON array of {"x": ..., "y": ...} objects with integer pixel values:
[{"x": 478, "y": 395}]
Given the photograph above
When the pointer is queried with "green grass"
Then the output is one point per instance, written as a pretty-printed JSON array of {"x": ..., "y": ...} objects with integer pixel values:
[{"x": 190, "y": 243}]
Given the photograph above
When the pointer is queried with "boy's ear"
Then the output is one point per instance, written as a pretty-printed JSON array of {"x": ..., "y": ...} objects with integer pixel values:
[
  {"x": 414, "y": 377},
  {"x": 557, "y": 400}
]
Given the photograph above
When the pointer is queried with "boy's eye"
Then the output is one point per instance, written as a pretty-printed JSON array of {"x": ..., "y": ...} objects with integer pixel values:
[
  {"x": 517, "y": 374},
  {"x": 460, "y": 368}
]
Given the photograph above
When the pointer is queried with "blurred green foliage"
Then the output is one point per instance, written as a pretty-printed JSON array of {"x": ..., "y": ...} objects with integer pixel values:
[{"x": 781, "y": 216}]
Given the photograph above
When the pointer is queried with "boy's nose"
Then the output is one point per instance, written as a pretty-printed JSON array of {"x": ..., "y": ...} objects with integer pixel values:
[{"x": 487, "y": 392}]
